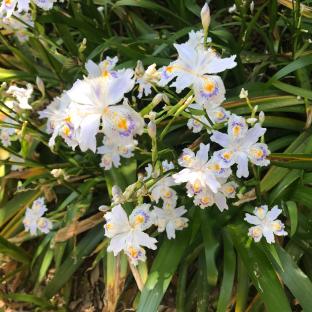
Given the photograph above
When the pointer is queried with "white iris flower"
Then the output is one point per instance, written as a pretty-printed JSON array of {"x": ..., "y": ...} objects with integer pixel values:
[
  {"x": 104, "y": 69},
  {"x": 21, "y": 95},
  {"x": 16, "y": 26},
  {"x": 8, "y": 6},
  {"x": 127, "y": 233},
  {"x": 240, "y": 145},
  {"x": 146, "y": 78},
  {"x": 60, "y": 121},
  {"x": 197, "y": 173},
  {"x": 207, "y": 198},
  {"x": 45, "y": 4},
  {"x": 193, "y": 68},
  {"x": 162, "y": 190},
  {"x": 170, "y": 219},
  {"x": 34, "y": 220},
  {"x": 112, "y": 151},
  {"x": 266, "y": 224},
  {"x": 6, "y": 131},
  {"x": 96, "y": 100}
]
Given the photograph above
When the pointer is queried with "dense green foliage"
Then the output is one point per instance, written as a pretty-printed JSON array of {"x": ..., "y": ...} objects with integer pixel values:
[{"x": 212, "y": 265}]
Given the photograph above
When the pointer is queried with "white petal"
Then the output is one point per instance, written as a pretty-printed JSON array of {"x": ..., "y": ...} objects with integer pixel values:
[
  {"x": 221, "y": 202},
  {"x": 202, "y": 153},
  {"x": 252, "y": 219},
  {"x": 220, "y": 138},
  {"x": 218, "y": 64},
  {"x": 274, "y": 213},
  {"x": 93, "y": 69},
  {"x": 242, "y": 166},
  {"x": 89, "y": 129},
  {"x": 254, "y": 134}
]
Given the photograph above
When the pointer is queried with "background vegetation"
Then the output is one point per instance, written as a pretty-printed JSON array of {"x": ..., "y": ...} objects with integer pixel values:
[{"x": 211, "y": 266}]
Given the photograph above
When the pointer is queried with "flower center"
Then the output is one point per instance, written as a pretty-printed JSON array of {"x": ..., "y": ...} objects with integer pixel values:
[
  {"x": 206, "y": 200},
  {"x": 256, "y": 232},
  {"x": 196, "y": 187},
  {"x": 276, "y": 226},
  {"x": 105, "y": 73},
  {"x": 122, "y": 123},
  {"x": 236, "y": 130},
  {"x": 169, "y": 69},
  {"x": 139, "y": 219},
  {"x": 133, "y": 252},
  {"x": 109, "y": 226},
  {"x": 209, "y": 86},
  {"x": 227, "y": 155},
  {"x": 42, "y": 223}
]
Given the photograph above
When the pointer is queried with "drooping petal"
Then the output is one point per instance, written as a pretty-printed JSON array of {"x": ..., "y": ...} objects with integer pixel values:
[
  {"x": 242, "y": 165},
  {"x": 209, "y": 90},
  {"x": 221, "y": 202},
  {"x": 88, "y": 130}
]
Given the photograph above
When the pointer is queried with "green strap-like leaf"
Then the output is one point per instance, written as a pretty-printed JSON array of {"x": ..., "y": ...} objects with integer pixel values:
[
  {"x": 163, "y": 268},
  {"x": 228, "y": 274},
  {"x": 260, "y": 271},
  {"x": 298, "y": 283}
]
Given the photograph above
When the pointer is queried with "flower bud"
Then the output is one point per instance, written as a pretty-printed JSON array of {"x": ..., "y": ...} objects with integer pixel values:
[
  {"x": 205, "y": 17},
  {"x": 232, "y": 9},
  {"x": 139, "y": 70},
  {"x": 261, "y": 117},
  {"x": 56, "y": 173},
  {"x": 166, "y": 99},
  {"x": 103, "y": 208},
  {"x": 151, "y": 115},
  {"x": 252, "y": 6},
  {"x": 252, "y": 120},
  {"x": 157, "y": 99},
  {"x": 40, "y": 85},
  {"x": 151, "y": 129},
  {"x": 243, "y": 94},
  {"x": 117, "y": 195},
  {"x": 83, "y": 45}
]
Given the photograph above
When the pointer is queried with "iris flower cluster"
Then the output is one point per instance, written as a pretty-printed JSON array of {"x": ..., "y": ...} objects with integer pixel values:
[{"x": 97, "y": 109}]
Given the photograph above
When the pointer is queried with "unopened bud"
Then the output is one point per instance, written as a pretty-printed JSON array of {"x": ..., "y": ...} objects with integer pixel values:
[
  {"x": 232, "y": 9},
  {"x": 104, "y": 208},
  {"x": 166, "y": 99},
  {"x": 243, "y": 94},
  {"x": 261, "y": 117},
  {"x": 140, "y": 177},
  {"x": 3, "y": 85},
  {"x": 117, "y": 195},
  {"x": 83, "y": 45},
  {"x": 189, "y": 100},
  {"x": 151, "y": 129},
  {"x": 251, "y": 120},
  {"x": 152, "y": 115},
  {"x": 205, "y": 17},
  {"x": 157, "y": 99},
  {"x": 139, "y": 70},
  {"x": 252, "y": 6},
  {"x": 56, "y": 173},
  {"x": 40, "y": 85}
]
